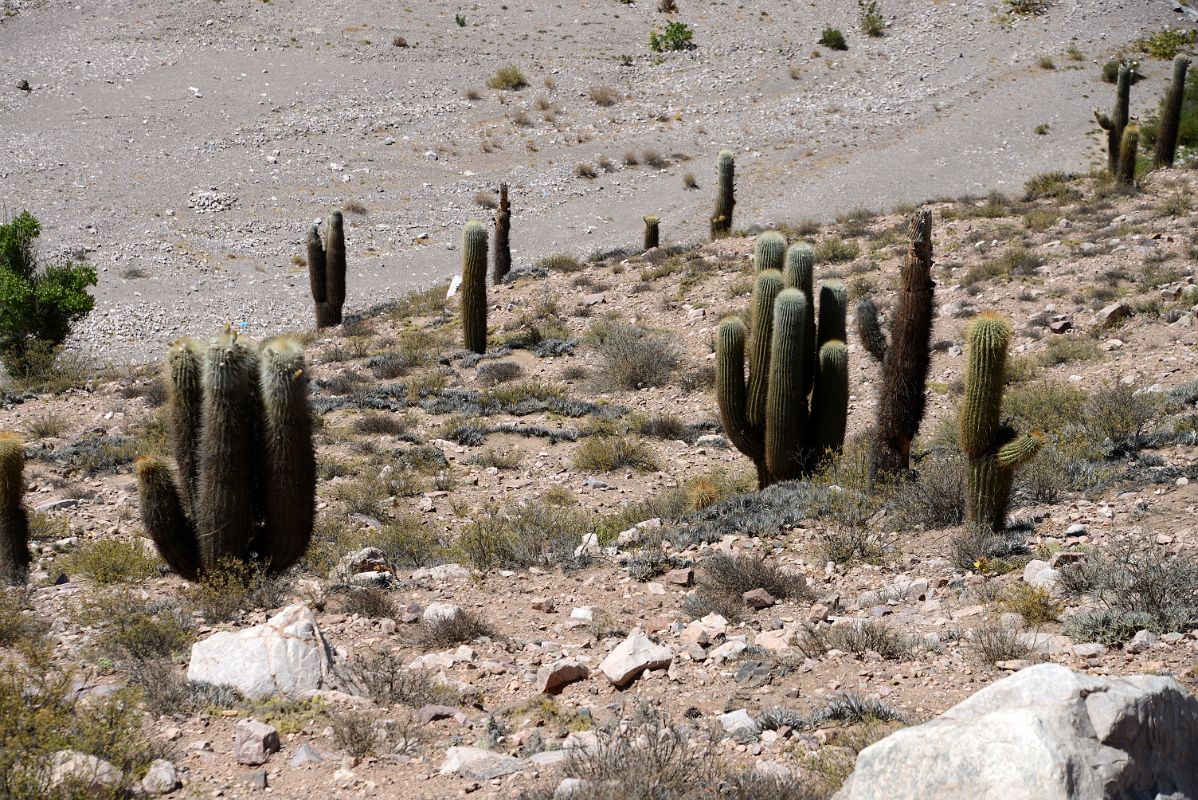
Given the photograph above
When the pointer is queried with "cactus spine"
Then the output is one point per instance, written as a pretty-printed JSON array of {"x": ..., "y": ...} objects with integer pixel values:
[
  {"x": 474, "y": 287},
  {"x": 1115, "y": 124},
  {"x": 651, "y": 231},
  {"x": 770, "y": 417},
  {"x": 907, "y": 356},
  {"x": 246, "y": 481},
  {"x": 1128, "y": 150},
  {"x": 503, "y": 228},
  {"x": 993, "y": 450},
  {"x": 326, "y": 270},
  {"x": 721, "y": 220},
  {"x": 1166, "y": 137},
  {"x": 14, "y": 521}
]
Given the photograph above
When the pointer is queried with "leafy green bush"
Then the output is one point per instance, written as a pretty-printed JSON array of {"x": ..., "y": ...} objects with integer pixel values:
[
  {"x": 833, "y": 39},
  {"x": 111, "y": 561},
  {"x": 676, "y": 36},
  {"x": 1166, "y": 43},
  {"x": 869, "y": 15},
  {"x": 38, "y": 304}
]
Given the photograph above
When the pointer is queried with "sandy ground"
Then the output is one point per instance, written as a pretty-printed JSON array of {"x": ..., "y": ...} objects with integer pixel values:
[{"x": 141, "y": 112}]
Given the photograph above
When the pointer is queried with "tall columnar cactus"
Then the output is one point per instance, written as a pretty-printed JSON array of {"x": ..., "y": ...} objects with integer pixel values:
[
  {"x": 1128, "y": 150},
  {"x": 326, "y": 270},
  {"x": 1117, "y": 121},
  {"x": 651, "y": 231},
  {"x": 906, "y": 356},
  {"x": 14, "y": 521},
  {"x": 769, "y": 251},
  {"x": 474, "y": 287},
  {"x": 993, "y": 450},
  {"x": 503, "y": 229},
  {"x": 1166, "y": 137},
  {"x": 793, "y": 407},
  {"x": 245, "y": 481},
  {"x": 721, "y": 220}
]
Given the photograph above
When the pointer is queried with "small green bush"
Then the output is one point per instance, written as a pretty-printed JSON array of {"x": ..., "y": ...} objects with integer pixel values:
[
  {"x": 1027, "y": 8},
  {"x": 38, "y": 304},
  {"x": 676, "y": 36},
  {"x": 609, "y": 453},
  {"x": 111, "y": 561},
  {"x": 869, "y": 15},
  {"x": 1167, "y": 43},
  {"x": 1067, "y": 349},
  {"x": 833, "y": 39},
  {"x": 131, "y": 628},
  {"x": 507, "y": 79},
  {"x": 835, "y": 250}
]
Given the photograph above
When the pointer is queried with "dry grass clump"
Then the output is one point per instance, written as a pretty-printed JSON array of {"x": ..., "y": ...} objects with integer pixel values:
[
  {"x": 508, "y": 78},
  {"x": 444, "y": 631},
  {"x": 610, "y": 453},
  {"x": 633, "y": 357},
  {"x": 111, "y": 561}
]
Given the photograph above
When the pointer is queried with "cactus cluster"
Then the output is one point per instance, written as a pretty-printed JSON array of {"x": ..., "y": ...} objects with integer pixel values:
[
  {"x": 474, "y": 287},
  {"x": 1116, "y": 122},
  {"x": 794, "y": 407},
  {"x": 245, "y": 471},
  {"x": 651, "y": 231},
  {"x": 326, "y": 270},
  {"x": 905, "y": 357},
  {"x": 1166, "y": 137},
  {"x": 721, "y": 220},
  {"x": 503, "y": 228},
  {"x": 14, "y": 521},
  {"x": 992, "y": 449}
]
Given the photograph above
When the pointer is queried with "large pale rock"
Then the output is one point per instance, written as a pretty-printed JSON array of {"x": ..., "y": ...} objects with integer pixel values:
[
  {"x": 1048, "y": 733},
  {"x": 254, "y": 742},
  {"x": 552, "y": 678},
  {"x": 84, "y": 774},
  {"x": 161, "y": 778},
  {"x": 478, "y": 764},
  {"x": 633, "y": 656},
  {"x": 285, "y": 655}
]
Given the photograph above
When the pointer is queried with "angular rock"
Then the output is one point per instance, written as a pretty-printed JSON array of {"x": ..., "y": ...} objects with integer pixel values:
[
  {"x": 441, "y": 612},
  {"x": 1044, "y": 732},
  {"x": 758, "y": 598},
  {"x": 449, "y": 572},
  {"x": 552, "y": 678},
  {"x": 368, "y": 559},
  {"x": 680, "y": 577},
  {"x": 1143, "y": 640},
  {"x": 633, "y": 656},
  {"x": 287, "y": 654},
  {"x": 160, "y": 778},
  {"x": 1111, "y": 314},
  {"x": 254, "y": 742},
  {"x": 478, "y": 764},
  {"x": 84, "y": 772},
  {"x": 738, "y": 720},
  {"x": 305, "y": 754},
  {"x": 432, "y": 713}
]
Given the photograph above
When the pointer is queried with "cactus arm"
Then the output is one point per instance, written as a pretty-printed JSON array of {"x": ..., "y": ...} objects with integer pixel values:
[
  {"x": 761, "y": 322},
  {"x": 869, "y": 330},
  {"x": 833, "y": 313},
  {"x": 987, "y": 340},
  {"x": 721, "y": 220},
  {"x": 829, "y": 405},
  {"x": 1129, "y": 147},
  {"x": 769, "y": 251},
  {"x": 185, "y": 401},
  {"x": 164, "y": 519},
  {"x": 786, "y": 406},
  {"x": 335, "y": 265},
  {"x": 1018, "y": 451},
  {"x": 800, "y": 274},
  {"x": 289, "y": 480},
  {"x": 474, "y": 287},
  {"x": 14, "y": 520},
  {"x": 730, "y": 393}
]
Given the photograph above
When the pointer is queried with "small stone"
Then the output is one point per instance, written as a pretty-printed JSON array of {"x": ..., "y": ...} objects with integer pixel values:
[
  {"x": 546, "y": 604},
  {"x": 256, "y": 779},
  {"x": 1143, "y": 640},
  {"x": 753, "y": 674},
  {"x": 817, "y": 613},
  {"x": 255, "y": 742},
  {"x": 1111, "y": 314},
  {"x": 1060, "y": 325},
  {"x": 758, "y": 598},
  {"x": 305, "y": 754},
  {"x": 160, "y": 778},
  {"x": 81, "y": 771},
  {"x": 23, "y": 85},
  {"x": 680, "y": 577},
  {"x": 449, "y": 572},
  {"x": 738, "y": 720},
  {"x": 552, "y": 678},
  {"x": 436, "y": 613},
  {"x": 478, "y": 764},
  {"x": 432, "y": 713},
  {"x": 633, "y": 656}
]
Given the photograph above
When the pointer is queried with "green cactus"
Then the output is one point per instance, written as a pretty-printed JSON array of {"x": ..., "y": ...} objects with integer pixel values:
[
  {"x": 651, "y": 231},
  {"x": 1117, "y": 121},
  {"x": 992, "y": 449},
  {"x": 770, "y": 418},
  {"x": 770, "y": 251},
  {"x": 1166, "y": 137},
  {"x": 326, "y": 270},
  {"x": 1128, "y": 151},
  {"x": 246, "y": 470},
  {"x": 474, "y": 287},
  {"x": 14, "y": 521},
  {"x": 721, "y": 220},
  {"x": 503, "y": 228}
]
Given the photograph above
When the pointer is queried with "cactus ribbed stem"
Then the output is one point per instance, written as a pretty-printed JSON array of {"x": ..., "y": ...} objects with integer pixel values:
[
  {"x": 833, "y": 312},
  {"x": 1128, "y": 151},
  {"x": 1166, "y": 136},
  {"x": 769, "y": 252},
  {"x": 829, "y": 404},
  {"x": 335, "y": 263},
  {"x": 907, "y": 359},
  {"x": 731, "y": 395},
  {"x": 165, "y": 520},
  {"x": 185, "y": 403},
  {"x": 503, "y": 227},
  {"x": 474, "y": 287},
  {"x": 761, "y": 322},
  {"x": 721, "y": 220},
  {"x": 14, "y": 520},
  {"x": 869, "y": 330},
  {"x": 1115, "y": 124},
  {"x": 651, "y": 233},
  {"x": 786, "y": 405},
  {"x": 800, "y": 274}
]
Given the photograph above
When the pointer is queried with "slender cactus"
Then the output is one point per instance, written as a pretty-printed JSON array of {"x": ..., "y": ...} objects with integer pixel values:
[
  {"x": 869, "y": 329},
  {"x": 503, "y": 227},
  {"x": 907, "y": 356},
  {"x": 721, "y": 220},
  {"x": 769, "y": 251},
  {"x": 1128, "y": 151},
  {"x": 246, "y": 460},
  {"x": 1115, "y": 124},
  {"x": 1166, "y": 137},
  {"x": 769, "y": 417},
  {"x": 326, "y": 270},
  {"x": 651, "y": 231},
  {"x": 474, "y": 287},
  {"x": 993, "y": 450},
  {"x": 14, "y": 520}
]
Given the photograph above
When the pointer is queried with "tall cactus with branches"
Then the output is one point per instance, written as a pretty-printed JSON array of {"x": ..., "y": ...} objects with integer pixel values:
[
  {"x": 721, "y": 220},
  {"x": 1118, "y": 119},
  {"x": 906, "y": 356},
  {"x": 1166, "y": 137},
  {"x": 326, "y": 270},
  {"x": 474, "y": 287},
  {"x": 503, "y": 230},
  {"x": 245, "y": 470},
  {"x": 992, "y": 449},
  {"x": 793, "y": 408},
  {"x": 14, "y": 520}
]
